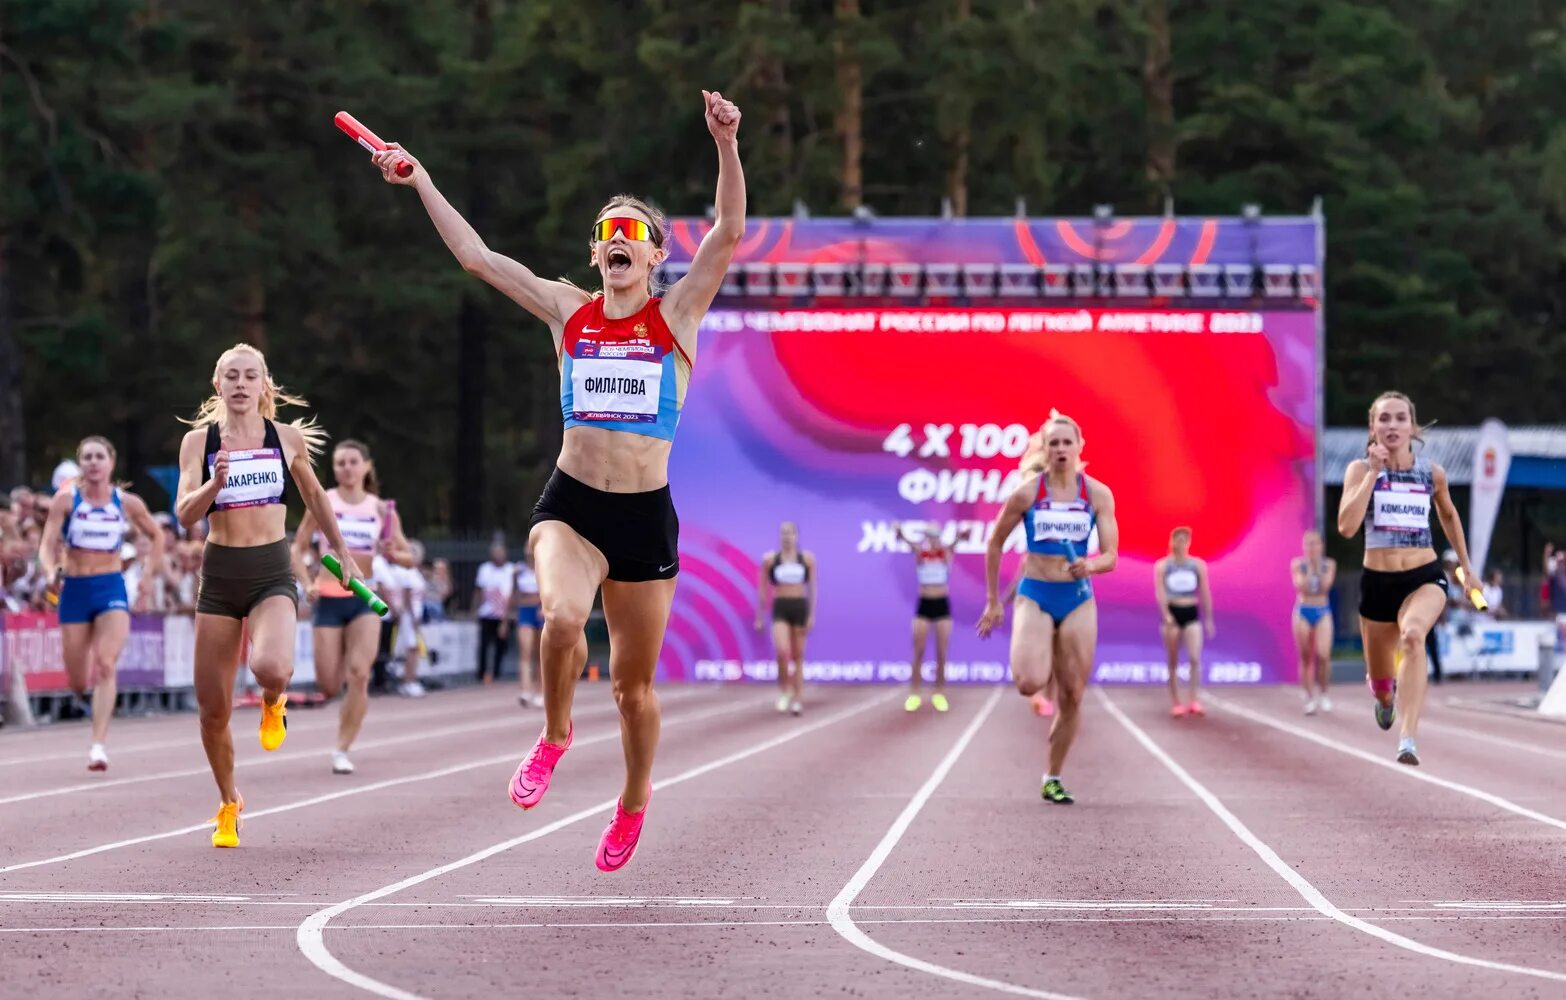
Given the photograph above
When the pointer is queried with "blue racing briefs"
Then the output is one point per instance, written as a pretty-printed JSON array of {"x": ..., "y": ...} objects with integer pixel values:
[
  {"x": 530, "y": 616},
  {"x": 1312, "y": 615},
  {"x": 1057, "y": 600},
  {"x": 337, "y": 612},
  {"x": 84, "y": 598}
]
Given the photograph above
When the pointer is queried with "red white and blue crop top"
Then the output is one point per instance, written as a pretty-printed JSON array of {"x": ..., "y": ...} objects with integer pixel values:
[
  {"x": 622, "y": 374},
  {"x": 1053, "y": 525}
]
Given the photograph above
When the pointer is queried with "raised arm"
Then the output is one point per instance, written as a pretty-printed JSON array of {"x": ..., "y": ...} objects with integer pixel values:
[
  {"x": 1108, "y": 529},
  {"x": 303, "y": 538},
  {"x": 551, "y": 301},
  {"x": 1161, "y": 592},
  {"x": 394, "y": 544},
  {"x": 193, "y": 497},
  {"x": 812, "y": 586},
  {"x": 764, "y": 589},
  {"x": 687, "y": 302},
  {"x": 1005, "y": 523},
  {"x": 315, "y": 499},
  {"x": 1452, "y": 525},
  {"x": 1359, "y": 481},
  {"x": 141, "y": 517},
  {"x": 49, "y": 559},
  {"x": 1207, "y": 597}
]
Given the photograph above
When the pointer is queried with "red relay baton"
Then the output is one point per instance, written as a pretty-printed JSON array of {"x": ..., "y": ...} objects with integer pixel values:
[{"x": 369, "y": 140}]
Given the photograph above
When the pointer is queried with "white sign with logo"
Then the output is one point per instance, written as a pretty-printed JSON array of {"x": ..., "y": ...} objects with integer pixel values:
[{"x": 1492, "y": 463}]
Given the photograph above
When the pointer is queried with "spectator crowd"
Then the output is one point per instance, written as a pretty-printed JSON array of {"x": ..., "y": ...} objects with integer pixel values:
[{"x": 171, "y": 589}]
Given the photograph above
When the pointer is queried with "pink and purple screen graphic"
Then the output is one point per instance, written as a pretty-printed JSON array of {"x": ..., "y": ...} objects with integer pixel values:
[{"x": 847, "y": 420}]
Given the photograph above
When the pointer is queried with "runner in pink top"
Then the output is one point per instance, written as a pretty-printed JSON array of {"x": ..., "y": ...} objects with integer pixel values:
[{"x": 347, "y": 633}]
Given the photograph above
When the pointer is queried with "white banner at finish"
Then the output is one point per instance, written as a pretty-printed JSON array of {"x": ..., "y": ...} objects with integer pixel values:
[
  {"x": 453, "y": 648},
  {"x": 1479, "y": 647}
]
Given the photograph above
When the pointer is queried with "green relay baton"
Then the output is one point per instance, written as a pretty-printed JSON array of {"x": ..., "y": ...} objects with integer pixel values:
[{"x": 364, "y": 593}]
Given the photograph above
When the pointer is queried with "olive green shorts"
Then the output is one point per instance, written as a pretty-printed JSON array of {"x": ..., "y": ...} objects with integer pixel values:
[{"x": 235, "y": 580}]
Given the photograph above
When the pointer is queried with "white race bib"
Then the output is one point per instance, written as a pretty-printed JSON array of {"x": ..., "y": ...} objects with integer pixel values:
[
  {"x": 97, "y": 530},
  {"x": 933, "y": 573},
  {"x": 527, "y": 580},
  {"x": 254, "y": 477},
  {"x": 1061, "y": 522},
  {"x": 1181, "y": 582},
  {"x": 615, "y": 389},
  {"x": 361, "y": 532},
  {"x": 788, "y": 574},
  {"x": 1401, "y": 507}
]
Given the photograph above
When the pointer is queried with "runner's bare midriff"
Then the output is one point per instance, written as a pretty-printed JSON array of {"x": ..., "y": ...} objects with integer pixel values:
[
  {"x": 86, "y": 562},
  {"x": 247, "y": 526},
  {"x": 1397, "y": 560},
  {"x": 615, "y": 461},
  {"x": 1050, "y": 569}
]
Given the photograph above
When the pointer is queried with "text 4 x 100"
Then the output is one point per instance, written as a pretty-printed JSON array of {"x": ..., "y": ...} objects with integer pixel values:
[{"x": 975, "y": 440}]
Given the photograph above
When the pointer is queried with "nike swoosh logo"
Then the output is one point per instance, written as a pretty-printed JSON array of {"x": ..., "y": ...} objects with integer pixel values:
[
  {"x": 592, "y": 329},
  {"x": 665, "y": 569},
  {"x": 614, "y": 856}
]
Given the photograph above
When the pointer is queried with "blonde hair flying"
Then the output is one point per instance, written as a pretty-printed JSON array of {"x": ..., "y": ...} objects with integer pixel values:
[{"x": 273, "y": 395}]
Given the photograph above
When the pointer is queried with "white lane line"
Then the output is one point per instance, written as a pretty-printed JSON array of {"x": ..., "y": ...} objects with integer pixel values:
[
  {"x": 91, "y": 785},
  {"x": 1306, "y": 890},
  {"x": 1415, "y": 773},
  {"x": 1384, "y": 912},
  {"x": 86, "y": 737},
  {"x": 249, "y": 815},
  {"x": 310, "y": 935},
  {"x": 385, "y": 716},
  {"x": 1309, "y": 917},
  {"x": 838, "y": 910},
  {"x": 1500, "y": 741},
  {"x": 403, "y": 711}
]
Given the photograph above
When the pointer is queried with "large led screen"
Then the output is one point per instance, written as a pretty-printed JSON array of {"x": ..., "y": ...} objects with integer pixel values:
[{"x": 847, "y": 420}]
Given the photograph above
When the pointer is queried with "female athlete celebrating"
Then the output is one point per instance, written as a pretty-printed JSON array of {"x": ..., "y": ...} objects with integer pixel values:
[
  {"x": 1313, "y": 575},
  {"x": 606, "y": 517},
  {"x": 933, "y": 563},
  {"x": 90, "y": 521},
  {"x": 1403, "y": 590},
  {"x": 1056, "y": 630},
  {"x": 347, "y": 631},
  {"x": 1181, "y": 585},
  {"x": 235, "y": 468},
  {"x": 790, "y": 575}
]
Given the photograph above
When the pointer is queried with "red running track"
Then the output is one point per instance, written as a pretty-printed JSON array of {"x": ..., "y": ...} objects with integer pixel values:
[{"x": 856, "y": 851}]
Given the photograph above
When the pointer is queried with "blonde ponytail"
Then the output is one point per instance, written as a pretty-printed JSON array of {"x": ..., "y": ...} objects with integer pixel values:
[{"x": 212, "y": 410}]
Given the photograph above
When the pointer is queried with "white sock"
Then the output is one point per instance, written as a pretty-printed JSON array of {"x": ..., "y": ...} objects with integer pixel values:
[{"x": 1051, "y": 777}]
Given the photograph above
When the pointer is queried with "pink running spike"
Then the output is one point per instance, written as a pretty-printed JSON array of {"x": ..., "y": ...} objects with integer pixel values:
[
  {"x": 624, "y": 832},
  {"x": 531, "y": 779}
]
